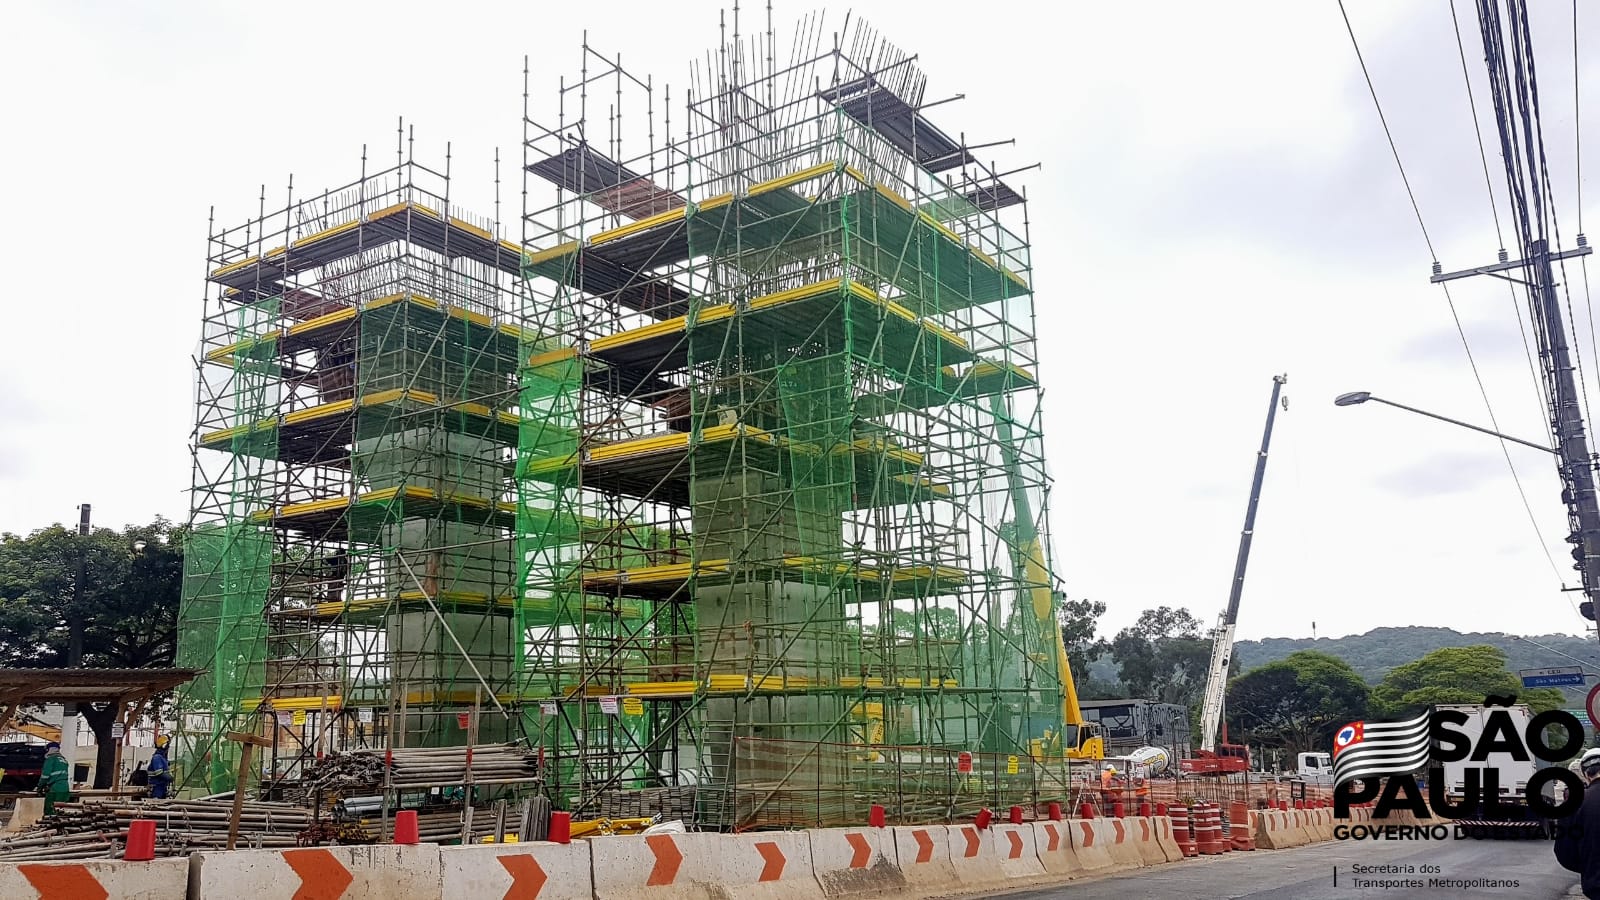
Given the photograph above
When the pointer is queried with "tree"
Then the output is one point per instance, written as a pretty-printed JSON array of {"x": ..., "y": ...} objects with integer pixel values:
[
  {"x": 1078, "y": 620},
  {"x": 1297, "y": 702},
  {"x": 1455, "y": 675},
  {"x": 1163, "y": 656},
  {"x": 126, "y": 607}
]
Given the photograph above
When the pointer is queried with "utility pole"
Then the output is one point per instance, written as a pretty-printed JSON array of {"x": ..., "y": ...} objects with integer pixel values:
[
  {"x": 1508, "y": 55},
  {"x": 75, "y": 626},
  {"x": 1574, "y": 461}
]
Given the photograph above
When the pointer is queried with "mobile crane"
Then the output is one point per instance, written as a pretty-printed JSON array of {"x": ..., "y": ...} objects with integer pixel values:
[{"x": 1216, "y": 757}]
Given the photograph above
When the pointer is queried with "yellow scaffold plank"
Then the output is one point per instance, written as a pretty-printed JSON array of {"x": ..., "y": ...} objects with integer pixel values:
[
  {"x": 783, "y": 181},
  {"x": 641, "y": 225},
  {"x": 330, "y": 701}
]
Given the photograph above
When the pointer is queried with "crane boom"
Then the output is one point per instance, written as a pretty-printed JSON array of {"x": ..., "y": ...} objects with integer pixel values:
[
  {"x": 1080, "y": 739},
  {"x": 1222, "y": 644}
]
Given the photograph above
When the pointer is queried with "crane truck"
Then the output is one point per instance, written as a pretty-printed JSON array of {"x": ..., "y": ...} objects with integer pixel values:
[
  {"x": 1079, "y": 738},
  {"x": 1216, "y": 757}
]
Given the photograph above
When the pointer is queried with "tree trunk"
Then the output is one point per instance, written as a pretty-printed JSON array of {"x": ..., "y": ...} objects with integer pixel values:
[{"x": 100, "y": 719}]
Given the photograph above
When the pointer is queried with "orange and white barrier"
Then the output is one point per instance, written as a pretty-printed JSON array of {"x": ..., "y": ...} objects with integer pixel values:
[
  {"x": 972, "y": 854},
  {"x": 114, "y": 879},
  {"x": 1090, "y": 846},
  {"x": 766, "y": 865},
  {"x": 1142, "y": 831},
  {"x": 1167, "y": 839},
  {"x": 1054, "y": 843},
  {"x": 369, "y": 872},
  {"x": 654, "y": 866},
  {"x": 1119, "y": 843},
  {"x": 852, "y": 861},
  {"x": 922, "y": 854},
  {"x": 539, "y": 869},
  {"x": 1017, "y": 851},
  {"x": 1273, "y": 831}
]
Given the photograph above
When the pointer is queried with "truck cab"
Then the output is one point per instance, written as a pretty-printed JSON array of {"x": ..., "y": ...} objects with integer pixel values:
[{"x": 1314, "y": 767}]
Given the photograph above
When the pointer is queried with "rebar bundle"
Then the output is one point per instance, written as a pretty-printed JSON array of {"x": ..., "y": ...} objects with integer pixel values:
[
  {"x": 363, "y": 770},
  {"x": 96, "y": 828}
]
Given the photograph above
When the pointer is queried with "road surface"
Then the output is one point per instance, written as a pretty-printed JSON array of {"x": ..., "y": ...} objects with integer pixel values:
[{"x": 1307, "y": 873}]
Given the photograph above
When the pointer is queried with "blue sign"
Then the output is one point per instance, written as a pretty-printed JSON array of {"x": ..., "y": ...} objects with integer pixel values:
[{"x": 1564, "y": 676}]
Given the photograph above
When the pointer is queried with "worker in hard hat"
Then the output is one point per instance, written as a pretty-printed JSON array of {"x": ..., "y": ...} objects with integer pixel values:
[
  {"x": 54, "y": 782},
  {"x": 1577, "y": 842},
  {"x": 1110, "y": 783},
  {"x": 160, "y": 771}
]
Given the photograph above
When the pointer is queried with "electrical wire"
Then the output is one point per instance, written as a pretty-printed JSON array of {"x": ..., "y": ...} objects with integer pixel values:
[
  {"x": 1450, "y": 301},
  {"x": 1494, "y": 212},
  {"x": 1387, "y": 133},
  {"x": 1577, "y": 133}
]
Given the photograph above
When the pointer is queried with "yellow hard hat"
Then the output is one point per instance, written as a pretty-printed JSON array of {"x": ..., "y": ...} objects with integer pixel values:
[{"x": 161, "y": 740}]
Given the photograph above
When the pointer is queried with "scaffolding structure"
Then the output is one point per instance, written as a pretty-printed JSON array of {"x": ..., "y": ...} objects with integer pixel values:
[
  {"x": 781, "y": 493},
  {"x": 349, "y": 574},
  {"x": 724, "y": 488}
]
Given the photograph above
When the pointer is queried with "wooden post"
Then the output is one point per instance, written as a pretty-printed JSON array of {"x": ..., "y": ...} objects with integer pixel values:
[
  {"x": 116, "y": 753},
  {"x": 248, "y": 742}
]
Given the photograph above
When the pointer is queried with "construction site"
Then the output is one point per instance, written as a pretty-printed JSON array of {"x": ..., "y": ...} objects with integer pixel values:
[
  {"x": 705, "y": 494},
  {"x": 722, "y": 489}
]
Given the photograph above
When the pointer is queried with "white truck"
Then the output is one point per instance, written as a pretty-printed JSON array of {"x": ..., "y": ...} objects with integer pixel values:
[
  {"x": 1511, "y": 774},
  {"x": 1314, "y": 768}
]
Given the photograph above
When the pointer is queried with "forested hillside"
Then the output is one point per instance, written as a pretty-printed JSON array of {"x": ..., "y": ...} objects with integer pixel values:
[{"x": 1381, "y": 649}]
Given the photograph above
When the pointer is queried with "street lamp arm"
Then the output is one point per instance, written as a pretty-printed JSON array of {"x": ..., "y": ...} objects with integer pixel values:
[{"x": 1478, "y": 428}]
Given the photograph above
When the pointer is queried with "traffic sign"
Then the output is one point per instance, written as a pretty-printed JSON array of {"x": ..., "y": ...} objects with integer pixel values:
[
  {"x": 1593, "y": 706},
  {"x": 1560, "y": 676}
]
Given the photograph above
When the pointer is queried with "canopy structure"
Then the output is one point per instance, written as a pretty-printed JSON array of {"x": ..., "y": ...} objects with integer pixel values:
[{"x": 130, "y": 689}]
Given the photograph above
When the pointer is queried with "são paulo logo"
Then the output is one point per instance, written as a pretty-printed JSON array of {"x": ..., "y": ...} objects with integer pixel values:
[{"x": 1381, "y": 761}]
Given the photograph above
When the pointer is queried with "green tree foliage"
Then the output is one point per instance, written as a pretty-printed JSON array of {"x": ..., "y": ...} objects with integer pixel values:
[
  {"x": 1163, "y": 657},
  {"x": 125, "y": 612},
  {"x": 1296, "y": 703},
  {"x": 1375, "y": 652},
  {"x": 1079, "y": 619},
  {"x": 1455, "y": 675}
]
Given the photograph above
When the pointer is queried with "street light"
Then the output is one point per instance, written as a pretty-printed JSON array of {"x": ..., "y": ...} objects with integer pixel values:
[{"x": 1355, "y": 398}]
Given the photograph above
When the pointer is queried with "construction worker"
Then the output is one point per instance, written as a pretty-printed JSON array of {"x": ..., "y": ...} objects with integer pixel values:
[
  {"x": 160, "y": 772},
  {"x": 1577, "y": 842},
  {"x": 54, "y": 782},
  {"x": 1109, "y": 785}
]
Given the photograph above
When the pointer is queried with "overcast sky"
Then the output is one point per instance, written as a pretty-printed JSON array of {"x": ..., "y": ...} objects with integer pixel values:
[{"x": 1216, "y": 205}]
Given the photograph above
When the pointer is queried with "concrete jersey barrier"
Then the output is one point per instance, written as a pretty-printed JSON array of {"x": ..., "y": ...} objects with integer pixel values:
[
  {"x": 368, "y": 872},
  {"x": 535, "y": 869},
  {"x": 922, "y": 854},
  {"x": 849, "y": 862},
  {"x": 765, "y": 865},
  {"x": 161, "y": 879},
  {"x": 1166, "y": 839},
  {"x": 654, "y": 866},
  {"x": 1119, "y": 841},
  {"x": 1091, "y": 849},
  {"x": 1142, "y": 832},
  {"x": 1054, "y": 842},
  {"x": 972, "y": 854},
  {"x": 1017, "y": 851}
]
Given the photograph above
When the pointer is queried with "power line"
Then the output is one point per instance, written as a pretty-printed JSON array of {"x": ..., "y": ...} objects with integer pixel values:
[
  {"x": 1387, "y": 133},
  {"x": 1472, "y": 104},
  {"x": 1577, "y": 134},
  {"x": 1494, "y": 211},
  {"x": 1450, "y": 301}
]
